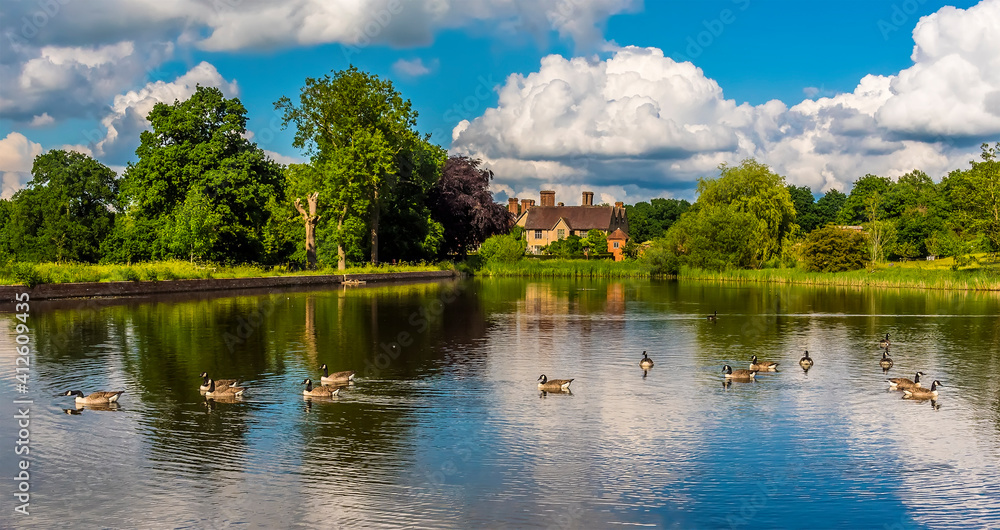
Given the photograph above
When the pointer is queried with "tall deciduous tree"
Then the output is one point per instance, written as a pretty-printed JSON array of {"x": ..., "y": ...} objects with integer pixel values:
[
  {"x": 650, "y": 220},
  {"x": 975, "y": 195},
  {"x": 752, "y": 188},
  {"x": 828, "y": 206},
  {"x": 360, "y": 133},
  {"x": 462, "y": 202},
  {"x": 806, "y": 211},
  {"x": 855, "y": 209},
  {"x": 66, "y": 210},
  {"x": 197, "y": 146}
]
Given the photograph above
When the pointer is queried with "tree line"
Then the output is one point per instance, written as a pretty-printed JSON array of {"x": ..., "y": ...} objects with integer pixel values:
[
  {"x": 373, "y": 188},
  {"x": 749, "y": 218}
]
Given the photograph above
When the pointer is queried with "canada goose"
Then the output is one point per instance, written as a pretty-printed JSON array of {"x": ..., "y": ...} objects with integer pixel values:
[
  {"x": 336, "y": 377},
  {"x": 884, "y": 343},
  {"x": 886, "y": 361},
  {"x": 714, "y": 316},
  {"x": 917, "y": 392},
  {"x": 223, "y": 391},
  {"x": 762, "y": 366},
  {"x": 319, "y": 391},
  {"x": 96, "y": 398},
  {"x": 902, "y": 383},
  {"x": 553, "y": 385},
  {"x": 218, "y": 382},
  {"x": 806, "y": 362},
  {"x": 646, "y": 363},
  {"x": 738, "y": 375}
]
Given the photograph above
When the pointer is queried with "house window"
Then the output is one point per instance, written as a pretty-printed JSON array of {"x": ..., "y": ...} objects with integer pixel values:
[
  {"x": 616, "y": 244},
  {"x": 538, "y": 234},
  {"x": 561, "y": 233}
]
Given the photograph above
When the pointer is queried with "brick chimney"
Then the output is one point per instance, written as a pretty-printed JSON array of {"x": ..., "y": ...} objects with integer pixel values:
[
  {"x": 548, "y": 198},
  {"x": 512, "y": 205},
  {"x": 588, "y": 199},
  {"x": 526, "y": 203},
  {"x": 619, "y": 204}
]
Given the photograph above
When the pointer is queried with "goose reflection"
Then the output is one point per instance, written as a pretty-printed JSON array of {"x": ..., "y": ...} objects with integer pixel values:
[
  {"x": 114, "y": 407},
  {"x": 542, "y": 394}
]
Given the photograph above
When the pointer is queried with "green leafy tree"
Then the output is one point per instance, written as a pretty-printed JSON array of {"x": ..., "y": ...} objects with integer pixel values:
[
  {"x": 65, "y": 212},
  {"x": 828, "y": 206},
  {"x": 855, "y": 208},
  {"x": 716, "y": 237},
  {"x": 833, "y": 249},
  {"x": 918, "y": 212},
  {"x": 742, "y": 219},
  {"x": 193, "y": 227},
  {"x": 568, "y": 247},
  {"x": 503, "y": 248},
  {"x": 974, "y": 197},
  {"x": 651, "y": 220},
  {"x": 597, "y": 242},
  {"x": 806, "y": 211},
  {"x": 361, "y": 135},
  {"x": 880, "y": 234},
  {"x": 197, "y": 146}
]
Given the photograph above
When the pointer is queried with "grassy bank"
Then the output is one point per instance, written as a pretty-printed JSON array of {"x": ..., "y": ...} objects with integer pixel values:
[
  {"x": 564, "y": 268},
  {"x": 918, "y": 275},
  {"x": 937, "y": 274},
  {"x": 31, "y": 274}
]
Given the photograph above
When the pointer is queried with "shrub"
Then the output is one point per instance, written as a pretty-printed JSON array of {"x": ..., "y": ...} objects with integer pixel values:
[
  {"x": 502, "y": 249},
  {"x": 27, "y": 274},
  {"x": 660, "y": 259},
  {"x": 833, "y": 249}
]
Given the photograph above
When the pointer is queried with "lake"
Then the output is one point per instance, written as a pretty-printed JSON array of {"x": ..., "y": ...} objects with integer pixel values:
[{"x": 445, "y": 428}]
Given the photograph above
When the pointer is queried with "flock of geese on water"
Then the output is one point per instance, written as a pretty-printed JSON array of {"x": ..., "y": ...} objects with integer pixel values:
[
  {"x": 228, "y": 389},
  {"x": 331, "y": 384},
  {"x": 911, "y": 387}
]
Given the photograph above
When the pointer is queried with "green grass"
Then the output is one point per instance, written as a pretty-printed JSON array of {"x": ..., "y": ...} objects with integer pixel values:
[
  {"x": 920, "y": 275},
  {"x": 13, "y": 273},
  {"x": 564, "y": 268}
]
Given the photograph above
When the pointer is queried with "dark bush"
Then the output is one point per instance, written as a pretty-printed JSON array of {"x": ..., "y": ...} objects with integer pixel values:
[{"x": 834, "y": 249}]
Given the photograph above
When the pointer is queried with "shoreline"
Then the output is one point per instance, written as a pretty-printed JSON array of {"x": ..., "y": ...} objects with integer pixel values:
[{"x": 56, "y": 291}]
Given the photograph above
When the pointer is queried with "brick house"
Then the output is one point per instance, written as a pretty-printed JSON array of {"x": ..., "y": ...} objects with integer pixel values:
[{"x": 550, "y": 222}]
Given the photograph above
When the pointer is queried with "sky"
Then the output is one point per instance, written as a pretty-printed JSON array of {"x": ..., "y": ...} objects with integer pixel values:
[{"x": 632, "y": 100}]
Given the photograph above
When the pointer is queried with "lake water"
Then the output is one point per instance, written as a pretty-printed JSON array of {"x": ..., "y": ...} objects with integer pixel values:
[{"x": 445, "y": 426}]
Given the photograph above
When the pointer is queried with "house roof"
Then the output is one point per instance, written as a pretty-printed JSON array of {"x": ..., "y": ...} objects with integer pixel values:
[
  {"x": 618, "y": 234},
  {"x": 577, "y": 217}
]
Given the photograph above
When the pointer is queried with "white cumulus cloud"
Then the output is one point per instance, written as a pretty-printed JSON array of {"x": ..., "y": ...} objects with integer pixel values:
[
  {"x": 127, "y": 116},
  {"x": 17, "y": 154},
  {"x": 412, "y": 68},
  {"x": 652, "y": 125}
]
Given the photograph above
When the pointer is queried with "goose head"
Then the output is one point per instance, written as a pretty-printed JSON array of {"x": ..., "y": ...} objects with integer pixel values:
[
  {"x": 727, "y": 369},
  {"x": 542, "y": 379}
]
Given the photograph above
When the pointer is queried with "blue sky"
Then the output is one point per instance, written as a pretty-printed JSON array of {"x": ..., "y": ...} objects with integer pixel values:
[{"x": 632, "y": 100}]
